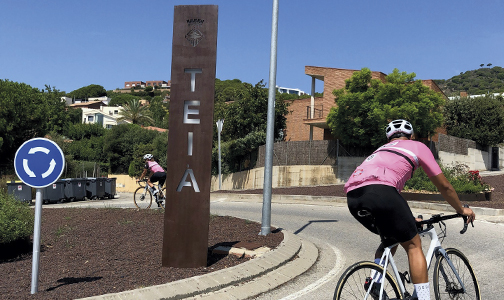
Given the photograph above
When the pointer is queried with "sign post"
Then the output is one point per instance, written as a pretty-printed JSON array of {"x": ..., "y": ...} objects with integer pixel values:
[
  {"x": 38, "y": 163},
  {"x": 220, "y": 123},
  {"x": 189, "y": 154}
]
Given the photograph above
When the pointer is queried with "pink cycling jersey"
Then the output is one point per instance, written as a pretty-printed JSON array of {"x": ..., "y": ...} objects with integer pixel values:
[
  {"x": 393, "y": 164},
  {"x": 154, "y": 167}
]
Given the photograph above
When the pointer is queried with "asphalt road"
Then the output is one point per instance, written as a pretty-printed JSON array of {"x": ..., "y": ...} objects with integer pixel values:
[{"x": 342, "y": 241}]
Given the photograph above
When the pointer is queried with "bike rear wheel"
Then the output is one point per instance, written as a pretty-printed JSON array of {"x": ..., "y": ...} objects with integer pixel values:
[
  {"x": 351, "y": 284},
  {"x": 446, "y": 284},
  {"x": 142, "y": 198}
]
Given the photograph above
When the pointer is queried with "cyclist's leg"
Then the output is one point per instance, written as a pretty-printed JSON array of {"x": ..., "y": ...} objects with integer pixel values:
[
  {"x": 149, "y": 182},
  {"x": 162, "y": 179},
  {"x": 418, "y": 267}
]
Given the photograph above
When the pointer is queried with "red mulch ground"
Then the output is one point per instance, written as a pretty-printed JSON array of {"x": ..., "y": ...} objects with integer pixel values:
[{"x": 87, "y": 252}]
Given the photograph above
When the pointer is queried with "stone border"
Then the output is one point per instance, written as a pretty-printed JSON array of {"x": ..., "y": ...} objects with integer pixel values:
[{"x": 288, "y": 249}]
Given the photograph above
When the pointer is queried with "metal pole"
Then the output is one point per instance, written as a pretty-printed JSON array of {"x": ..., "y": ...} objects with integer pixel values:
[
  {"x": 268, "y": 162},
  {"x": 220, "y": 123},
  {"x": 36, "y": 241}
]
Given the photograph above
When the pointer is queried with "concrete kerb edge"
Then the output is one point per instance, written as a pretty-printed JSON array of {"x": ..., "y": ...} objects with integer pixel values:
[{"x": 287, "y": 250}]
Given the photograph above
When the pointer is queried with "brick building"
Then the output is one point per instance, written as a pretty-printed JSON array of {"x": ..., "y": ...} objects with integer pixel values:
[
  {"x": 307, "y": 118},
  {"x": 130, "y": 84}
]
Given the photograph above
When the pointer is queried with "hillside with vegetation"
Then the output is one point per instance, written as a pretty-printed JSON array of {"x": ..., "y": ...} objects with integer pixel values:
[{"x": 474, "y": 82}]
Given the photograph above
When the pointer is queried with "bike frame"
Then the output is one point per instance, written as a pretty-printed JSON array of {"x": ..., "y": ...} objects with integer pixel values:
[
  {"x": 146, "y": 187},
  {"x": 435, "y": 248}
]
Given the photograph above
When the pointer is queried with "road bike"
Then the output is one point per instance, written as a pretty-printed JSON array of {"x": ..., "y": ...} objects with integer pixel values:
[
  {"x": 453, "y": 276},
  {"x": 143, "y": 195}
]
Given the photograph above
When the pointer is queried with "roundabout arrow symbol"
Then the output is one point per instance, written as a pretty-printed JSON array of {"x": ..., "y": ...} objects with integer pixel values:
[
  {"x": 39, "y": 149},
  {"x": 27, "y": 169},
  {"x": 52, "y": 164}
]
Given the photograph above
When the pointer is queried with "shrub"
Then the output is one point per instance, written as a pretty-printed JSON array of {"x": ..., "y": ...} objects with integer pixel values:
[
  {"x": 462, "y": 180},
  {"x": 16, "y": 219}
]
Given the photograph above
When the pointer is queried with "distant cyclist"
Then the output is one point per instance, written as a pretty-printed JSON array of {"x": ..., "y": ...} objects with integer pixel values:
[
  {"x": 157, "y": 173},
  {"x": 375, "y": 187}
]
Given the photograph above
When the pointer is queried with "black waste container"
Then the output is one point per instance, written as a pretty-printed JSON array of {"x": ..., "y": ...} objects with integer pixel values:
[
  {"x": 110, "y": 187},
  {"x": 95, "y": 188},
  {"x": 21, "y": 191},
  {"x": 75, "y": 188},
  {"x": 54, "y": 192}
]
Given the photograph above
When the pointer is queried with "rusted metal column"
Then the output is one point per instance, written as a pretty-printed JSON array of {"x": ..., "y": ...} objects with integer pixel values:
[{"x": 189, "y": 154}]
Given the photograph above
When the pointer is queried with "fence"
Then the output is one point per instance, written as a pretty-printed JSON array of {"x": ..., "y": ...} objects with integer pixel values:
[{"x": 324, "y": 152}]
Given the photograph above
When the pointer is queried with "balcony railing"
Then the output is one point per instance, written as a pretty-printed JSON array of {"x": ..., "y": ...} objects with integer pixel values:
[{"x": 318, "y": 112}]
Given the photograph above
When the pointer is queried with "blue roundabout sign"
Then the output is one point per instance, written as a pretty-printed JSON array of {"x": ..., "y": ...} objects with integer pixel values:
[{"x": 39, "y": 162}]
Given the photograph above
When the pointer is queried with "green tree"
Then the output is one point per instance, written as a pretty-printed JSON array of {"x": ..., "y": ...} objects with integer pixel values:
[
  {"x": 23, "y": 115},
  {"x": 159, "y": 112},
  {"x": 121, "y": 141},
  {"x": 121, "y": 99},
  {"x": 365, "y": 106},
  {"x": 136, "y": 113},
  {"x": 249, "y": 112},
  {"x": 244, "y": 107},
  {"x": 90, "y": 91},
  {"x": 57, "y": 117},
  {"x": 480, "y": 119}
]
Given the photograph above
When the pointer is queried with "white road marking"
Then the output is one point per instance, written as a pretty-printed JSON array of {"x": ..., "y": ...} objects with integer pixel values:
[{"x": 340, "y": 262}]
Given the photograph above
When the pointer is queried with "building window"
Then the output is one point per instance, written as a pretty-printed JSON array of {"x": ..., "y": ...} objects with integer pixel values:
[
  {"x": 90, "y": 119},
  {"x": 116, "y": 112},
  {"x": 109, "y": 126}
]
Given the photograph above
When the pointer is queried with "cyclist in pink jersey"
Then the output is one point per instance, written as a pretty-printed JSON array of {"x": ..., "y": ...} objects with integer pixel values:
[
  {"x": 374, "y": 189},
  {"x": 157, "y": 173}
]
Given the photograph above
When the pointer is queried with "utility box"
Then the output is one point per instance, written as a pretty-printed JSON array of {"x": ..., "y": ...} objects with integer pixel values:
[
  {"x": 95, "y": 188},
  {"x": 54, "y": 192},
  {"x": 20, "y": 190},
  {"x": 110, "y": 187},
  {"x": 75, "y": 189}
]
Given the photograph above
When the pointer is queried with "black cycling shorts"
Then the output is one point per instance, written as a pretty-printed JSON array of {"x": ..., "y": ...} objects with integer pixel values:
[
  {"x": 158, "y": 177},
  {"x": 391, "y": 213}
]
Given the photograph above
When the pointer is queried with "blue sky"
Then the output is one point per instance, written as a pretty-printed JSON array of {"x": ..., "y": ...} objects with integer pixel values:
[{"x": 70, "y": 44}]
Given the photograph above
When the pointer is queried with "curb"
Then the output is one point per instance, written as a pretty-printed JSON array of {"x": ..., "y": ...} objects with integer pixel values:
[{"x": 255, "y": 276}]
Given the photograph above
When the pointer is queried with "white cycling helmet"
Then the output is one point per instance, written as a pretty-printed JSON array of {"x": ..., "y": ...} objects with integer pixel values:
[
  {"x": 148, "y": 156},
  {"x": 398, "y": 126}
]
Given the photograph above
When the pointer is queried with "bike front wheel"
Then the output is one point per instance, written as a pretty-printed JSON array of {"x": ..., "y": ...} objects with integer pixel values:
[
  {"x": 446, "y": 284},
  {"x": 352, "y": 284},
  {"x": 142, "y": 198}
]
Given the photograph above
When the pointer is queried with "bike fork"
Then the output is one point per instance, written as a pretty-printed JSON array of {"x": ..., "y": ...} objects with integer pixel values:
[{"x": 443, "y": 253}]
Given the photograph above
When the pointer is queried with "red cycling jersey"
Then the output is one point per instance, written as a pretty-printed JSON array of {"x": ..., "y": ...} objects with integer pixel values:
[{"x": 393, "y": 164}]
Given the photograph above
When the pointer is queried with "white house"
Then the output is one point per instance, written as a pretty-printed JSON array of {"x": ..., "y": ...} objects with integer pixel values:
[
  {"x": 70, "y": 101},
  {"x": 106, "y": 116},
  {"x": 284, "y": 90}
]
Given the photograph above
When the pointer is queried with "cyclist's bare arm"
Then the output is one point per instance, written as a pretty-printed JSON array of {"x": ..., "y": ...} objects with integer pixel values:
[
  {"x": 449, "y": 194},
  {"x": 143, "y": 175}
]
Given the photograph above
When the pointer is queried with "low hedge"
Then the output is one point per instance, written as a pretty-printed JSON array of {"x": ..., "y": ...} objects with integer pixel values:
[
  {"x": 16, "y": 219},
  {"x": 462, "y": 180}
]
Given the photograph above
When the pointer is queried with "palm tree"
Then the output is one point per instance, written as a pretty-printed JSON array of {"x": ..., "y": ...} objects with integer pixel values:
[{"x": 136, "y": 113}]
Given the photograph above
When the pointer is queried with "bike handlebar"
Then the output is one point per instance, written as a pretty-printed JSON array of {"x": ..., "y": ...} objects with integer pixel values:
[{"x": 440, "y": 218}]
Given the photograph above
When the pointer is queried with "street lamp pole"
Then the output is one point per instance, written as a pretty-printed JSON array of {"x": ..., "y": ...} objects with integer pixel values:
[
  {"x": 220, "y": 123},
  {"x": 270, "y": 127}
]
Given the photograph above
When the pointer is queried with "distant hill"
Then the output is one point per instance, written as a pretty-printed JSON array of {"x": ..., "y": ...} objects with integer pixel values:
[{"x": 474, "y": 82}]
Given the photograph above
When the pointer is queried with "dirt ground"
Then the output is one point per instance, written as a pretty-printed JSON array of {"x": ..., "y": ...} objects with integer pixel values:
[{"x": 87, "y": 252}]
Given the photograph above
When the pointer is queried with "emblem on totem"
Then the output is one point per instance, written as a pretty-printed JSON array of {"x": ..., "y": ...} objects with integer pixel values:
[{"x": 194, "y": 36}]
